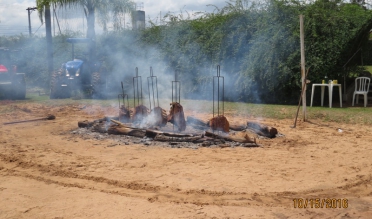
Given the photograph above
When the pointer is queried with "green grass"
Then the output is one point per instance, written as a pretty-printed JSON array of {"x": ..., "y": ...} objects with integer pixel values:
[
  {"x": 368, "y": 68},
  {"x": 350, "y": 115}
]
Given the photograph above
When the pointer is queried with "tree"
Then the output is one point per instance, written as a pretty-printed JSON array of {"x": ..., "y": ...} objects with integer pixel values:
[
  {"x": 105, "y": 9},
  {"x": 44, "y": 5}
]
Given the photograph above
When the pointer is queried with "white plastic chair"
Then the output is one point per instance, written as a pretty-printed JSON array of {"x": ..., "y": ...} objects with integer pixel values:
[{"x": 361, "y": 87}]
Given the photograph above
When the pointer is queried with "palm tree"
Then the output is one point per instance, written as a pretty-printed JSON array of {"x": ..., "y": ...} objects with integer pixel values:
[
  {"x": 105, "y": 9},
  {"x": 44, "y": 5}
]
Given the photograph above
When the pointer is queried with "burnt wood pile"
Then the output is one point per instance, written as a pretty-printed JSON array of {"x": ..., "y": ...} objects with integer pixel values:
[
  {"x": 206, "y": 137},
  {"x": 112, "y": 126},
  {"x": 259, "y": 129}
]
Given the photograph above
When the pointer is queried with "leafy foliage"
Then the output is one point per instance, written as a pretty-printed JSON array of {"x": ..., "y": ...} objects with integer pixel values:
[{"x": 257, "y": 46}]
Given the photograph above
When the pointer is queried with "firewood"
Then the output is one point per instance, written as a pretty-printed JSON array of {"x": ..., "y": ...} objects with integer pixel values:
[
  {"x": 120, "y": 124},
  {"x": 121, "y": 130},
  {"x": 262, "y": 130},
  {"x": 161, "y": 137},
  {"x": 238, "y": 127},
  {"x": 195, "y": 121},
  {"x": 100, "y": 127},
  {"x": 151, "y": 132},
  {"x": 85, "y": 124},
  {"x": 245, "y": 139}
]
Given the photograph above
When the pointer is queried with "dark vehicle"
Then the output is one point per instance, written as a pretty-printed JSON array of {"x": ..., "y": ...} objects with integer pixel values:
[
  {"x": 78, "y": 75},
  {"x": 12, "y": 83}
]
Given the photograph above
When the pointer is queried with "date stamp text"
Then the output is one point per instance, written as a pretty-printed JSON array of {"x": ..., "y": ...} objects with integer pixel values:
[{"x": 320, "y": 203}]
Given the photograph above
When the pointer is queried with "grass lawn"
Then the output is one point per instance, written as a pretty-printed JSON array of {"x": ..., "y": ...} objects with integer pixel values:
[{"x": 352, "y": 115}]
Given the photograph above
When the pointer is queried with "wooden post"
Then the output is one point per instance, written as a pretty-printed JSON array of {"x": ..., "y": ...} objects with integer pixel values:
[{"x": 303, "y": 79}]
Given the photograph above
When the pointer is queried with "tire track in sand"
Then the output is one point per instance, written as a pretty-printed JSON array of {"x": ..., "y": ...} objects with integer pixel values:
[{"x": 16, "y": 166}]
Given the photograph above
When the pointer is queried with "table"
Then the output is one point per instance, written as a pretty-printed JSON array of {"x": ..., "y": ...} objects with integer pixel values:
[{"x": 330, "y": 90}]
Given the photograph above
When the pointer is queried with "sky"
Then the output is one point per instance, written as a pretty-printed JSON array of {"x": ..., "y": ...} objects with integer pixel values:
[{"x": 14, "y": 16}]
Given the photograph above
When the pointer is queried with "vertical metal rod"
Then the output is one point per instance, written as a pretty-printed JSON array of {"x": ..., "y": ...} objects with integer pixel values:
[
  {"x": 152, "y": 84},
  {"x": 223, "y": 96},
  {"x": 157, "y": 92},
  {"x": 179, "y": 93},
  {"x": 153, "y": 79},
  {"x": 137, "y": 88},
  {"x": 148, "y": 87},
  {"x": 213, "y": 95},
  {"x": 218, "y": 90},
  {"x": 176, "y": 89},
  {"x": 176, "y": 85},
  {"x": 134, "y": 90},
  {"x": 123, "y": 97},
  {"x": 137, "y": 80},
  {"x": 176, "y": 92},
  {"x": 216, "y": 80},
  {"x": 122, "y": 87}
]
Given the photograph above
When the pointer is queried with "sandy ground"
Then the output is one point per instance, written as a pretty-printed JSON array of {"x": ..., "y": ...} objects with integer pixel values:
[{"x": 47, "y": 172}]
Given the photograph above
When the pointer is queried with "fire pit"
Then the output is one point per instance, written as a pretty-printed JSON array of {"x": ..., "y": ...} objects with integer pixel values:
[{"x": 155, "y": 125}]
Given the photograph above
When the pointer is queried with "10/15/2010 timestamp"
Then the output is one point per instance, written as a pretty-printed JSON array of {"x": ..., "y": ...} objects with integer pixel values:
[{"x": 320, "y": 203}]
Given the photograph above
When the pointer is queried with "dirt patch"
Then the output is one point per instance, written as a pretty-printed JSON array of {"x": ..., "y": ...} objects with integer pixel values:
[{"x": 52, "y": 169}]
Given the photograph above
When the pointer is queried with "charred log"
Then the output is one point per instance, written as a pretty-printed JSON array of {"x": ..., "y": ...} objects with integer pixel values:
[
  {"x": 176, "y": 116},
  {"x": 161, "y": 137},
  {"x": 152, "y": 133},
  {"x": 101, "y": 127},
  {"x": 196, "y": 122},
  {"x": 121, "y": 130},
  {"x": 245, "y": 139},
  {"x": 238, "y": 127},
  {"x": 220, "y": 123},
  {"x": 85, "y": 124},
  {"x": 262, "y": 130}
]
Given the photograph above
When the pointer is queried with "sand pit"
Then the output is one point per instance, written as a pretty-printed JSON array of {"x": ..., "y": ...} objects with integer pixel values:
[{"x": 47, "y": 171}]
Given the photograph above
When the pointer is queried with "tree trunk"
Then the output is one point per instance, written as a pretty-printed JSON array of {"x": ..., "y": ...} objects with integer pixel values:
[
  {"x": 91, "y": 34},
  {"x": 48, "y": 34}
]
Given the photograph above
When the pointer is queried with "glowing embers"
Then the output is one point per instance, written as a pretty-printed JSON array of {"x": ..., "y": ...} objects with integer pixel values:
[{"x": 219, "y": 122}]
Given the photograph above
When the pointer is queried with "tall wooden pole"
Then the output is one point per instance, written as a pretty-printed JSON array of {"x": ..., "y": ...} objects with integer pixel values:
[
  {"x": 303, "y": 79},
  {"x": 49, "y": 39},
  {"x": 29, "y": 19}
]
